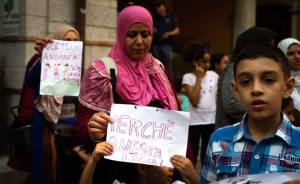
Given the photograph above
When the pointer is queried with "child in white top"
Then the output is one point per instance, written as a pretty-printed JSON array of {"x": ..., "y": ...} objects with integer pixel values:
[{"x": 201, "y": 88}]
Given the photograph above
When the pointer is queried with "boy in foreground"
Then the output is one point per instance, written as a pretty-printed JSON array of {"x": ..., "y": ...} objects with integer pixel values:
[{"x": 264, "y": 141}]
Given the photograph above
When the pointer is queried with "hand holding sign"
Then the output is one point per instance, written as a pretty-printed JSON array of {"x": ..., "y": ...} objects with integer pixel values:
[
  {"x": 102, "y": 149},
  {"x": 40, "y": 44},
  {"x": 97, "y": 125},
  {"x": 147, "y": 135}
]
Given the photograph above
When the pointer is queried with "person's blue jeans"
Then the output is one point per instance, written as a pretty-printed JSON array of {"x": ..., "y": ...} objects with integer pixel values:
[{"x": 164, "y": 53}]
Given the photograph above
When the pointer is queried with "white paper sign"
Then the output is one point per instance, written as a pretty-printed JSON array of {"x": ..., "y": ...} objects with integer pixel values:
[
  {"x": 147, "y": 135},
  {"x": 262, "y": 178},
  {"x": 61, "y": 68}
]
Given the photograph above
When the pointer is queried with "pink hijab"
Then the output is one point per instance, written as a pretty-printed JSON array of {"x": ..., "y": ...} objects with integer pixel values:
[{"x": 138, "y": 82}]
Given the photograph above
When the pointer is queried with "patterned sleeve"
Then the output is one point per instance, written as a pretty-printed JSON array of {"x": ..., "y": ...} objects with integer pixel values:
[
  {"x": 95, "y": 89},
  {"x": 209, "y": 166}
]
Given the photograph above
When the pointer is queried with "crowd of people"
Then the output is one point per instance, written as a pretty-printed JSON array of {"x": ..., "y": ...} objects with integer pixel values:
[{"x": 244, "y": 108}]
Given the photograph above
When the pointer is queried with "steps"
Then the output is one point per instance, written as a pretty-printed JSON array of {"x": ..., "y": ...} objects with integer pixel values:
[{"x": 9, "y": 175}]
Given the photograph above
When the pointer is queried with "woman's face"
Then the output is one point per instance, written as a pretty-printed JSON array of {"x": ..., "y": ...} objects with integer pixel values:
[
  {"x": 222, "y": 65},
  {"x": 206, "y": 57},
  {"x": 138, "y": 41},
  {"x": 70, "y": 36},
  {"x": 293, "y": 55},
  {"x": 204, "y": 62}
]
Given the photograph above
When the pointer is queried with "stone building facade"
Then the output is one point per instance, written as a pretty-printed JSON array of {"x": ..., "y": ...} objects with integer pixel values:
[{"x": 22, "y": 21}]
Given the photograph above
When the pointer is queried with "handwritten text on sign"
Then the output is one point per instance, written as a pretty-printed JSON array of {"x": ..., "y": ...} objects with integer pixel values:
[
  {"x": 61, "y": 68},
  {"x": 147, "y": 135}
]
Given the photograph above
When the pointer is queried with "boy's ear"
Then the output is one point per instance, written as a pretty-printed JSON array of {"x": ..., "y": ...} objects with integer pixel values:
[
  {"x": 289, "y": 87},
  {"x": 235, "y": 90}
]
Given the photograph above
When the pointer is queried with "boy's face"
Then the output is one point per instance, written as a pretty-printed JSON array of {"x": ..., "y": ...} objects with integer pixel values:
[{"x": 260, "y": 86}]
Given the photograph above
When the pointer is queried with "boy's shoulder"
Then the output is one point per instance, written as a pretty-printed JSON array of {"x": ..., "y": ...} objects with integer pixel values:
[
  {"x": 229, "y": 133},
  {"x": 288, "y": 132},
  {"x": 226, "y": 133}
]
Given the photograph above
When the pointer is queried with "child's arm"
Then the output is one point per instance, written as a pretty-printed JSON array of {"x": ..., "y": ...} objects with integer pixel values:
[
  {"x": 186, "y": 169},
  {"x": 193, "y": 92},
  {"x": 81, "y": 152},
  {"x": 101, "y": 149}
]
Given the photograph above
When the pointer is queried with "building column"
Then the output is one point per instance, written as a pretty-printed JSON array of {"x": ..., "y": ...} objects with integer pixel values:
[
  {"x": 295, "y": 26},
  {"x": 244, "y": 16},
  {"x": 100, "y": 29}
]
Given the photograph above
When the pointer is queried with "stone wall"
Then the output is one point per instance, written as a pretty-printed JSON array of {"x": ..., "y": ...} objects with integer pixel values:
[
  {"x": 40, "y": 18},
  {"x": 100, "y": 28}
]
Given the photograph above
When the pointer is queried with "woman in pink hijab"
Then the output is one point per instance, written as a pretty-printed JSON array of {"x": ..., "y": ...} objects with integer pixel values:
[{"x": 140, "y": 78}]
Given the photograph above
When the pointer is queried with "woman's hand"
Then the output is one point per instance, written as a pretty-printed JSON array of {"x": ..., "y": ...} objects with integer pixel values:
[
  {"x": 102, "y": 149},
  {"x": 186, "y": 169},
  {"x": 98, "y": 124},
  {"x": 40, "y": 43}
]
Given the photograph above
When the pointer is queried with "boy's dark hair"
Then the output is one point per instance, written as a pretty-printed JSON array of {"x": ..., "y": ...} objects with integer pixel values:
[
  {"x": 258, "y": 35},
  {"x": 254, "y": 51},
  {"x": 286, "y": 102},
  {"x": 216, "y": 59}
]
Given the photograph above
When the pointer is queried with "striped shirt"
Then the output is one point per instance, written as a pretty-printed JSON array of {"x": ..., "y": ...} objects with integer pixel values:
[{"x": 233, "y": 152}]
